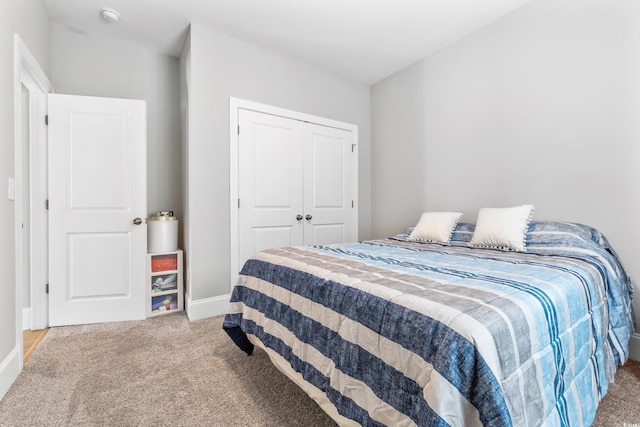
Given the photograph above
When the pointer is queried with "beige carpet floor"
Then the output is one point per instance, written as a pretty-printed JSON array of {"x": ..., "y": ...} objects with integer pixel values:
[{"x": 171, "y": 372}]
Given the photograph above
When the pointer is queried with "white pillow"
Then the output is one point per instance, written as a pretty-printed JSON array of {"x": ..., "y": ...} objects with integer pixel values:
[
  {"x": 502, "y": 228},
  {"x": 435, "y": 227}
]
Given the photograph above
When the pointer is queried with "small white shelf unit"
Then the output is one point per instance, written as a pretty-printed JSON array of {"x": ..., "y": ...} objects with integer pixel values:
[{"x": 165, "y": 292}]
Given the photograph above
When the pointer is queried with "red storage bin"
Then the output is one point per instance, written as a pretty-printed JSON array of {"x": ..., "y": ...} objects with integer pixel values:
[{"x": 164, "y": 263}]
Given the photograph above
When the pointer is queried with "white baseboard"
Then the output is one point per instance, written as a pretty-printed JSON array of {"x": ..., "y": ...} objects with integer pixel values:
[
  {"x": 634, "y": 347},
  {"x": 26, "y": 319},
  {"x": 9, "y": 371},
  {"x": 207, "y": 307}
]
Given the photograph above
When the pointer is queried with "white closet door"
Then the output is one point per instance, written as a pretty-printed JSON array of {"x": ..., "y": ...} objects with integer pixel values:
[
  {"x": 328, "y": 195},
  {"x": 270, "y": 183},
  {"x": 296, "y": 184}
]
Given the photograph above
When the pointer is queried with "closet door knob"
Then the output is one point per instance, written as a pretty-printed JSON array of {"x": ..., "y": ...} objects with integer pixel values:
[
  {"x": 137, "y": 221},
  {"x": 299, "y": 217},
  {"x": 308, "y": 217}
]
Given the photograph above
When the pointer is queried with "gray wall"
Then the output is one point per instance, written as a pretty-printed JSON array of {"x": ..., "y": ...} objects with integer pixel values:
[
  {"x": 223, "y": 67},
  {"x": 95, "y": 66},
  {"x": 31, "y": 21},
  {"x": 539, "y": 107}
]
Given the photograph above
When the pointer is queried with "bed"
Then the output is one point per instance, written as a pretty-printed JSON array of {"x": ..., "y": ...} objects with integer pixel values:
[{"x": 401, "y": 332}]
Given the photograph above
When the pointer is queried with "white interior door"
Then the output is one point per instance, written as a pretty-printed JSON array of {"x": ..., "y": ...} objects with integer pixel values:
[
  {"x": 329, "y": 205},
  {"x": 270, "y": 183},
  {"x": 296, "y": 184},
  {"x": 97, "y": 193}
]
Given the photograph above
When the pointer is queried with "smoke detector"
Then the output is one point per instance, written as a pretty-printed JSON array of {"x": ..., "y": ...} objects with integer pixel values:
[{"x": 109, "y": 15}]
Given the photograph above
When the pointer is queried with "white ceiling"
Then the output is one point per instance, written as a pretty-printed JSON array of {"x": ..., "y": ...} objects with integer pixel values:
[{"x": 362, "y": 40}]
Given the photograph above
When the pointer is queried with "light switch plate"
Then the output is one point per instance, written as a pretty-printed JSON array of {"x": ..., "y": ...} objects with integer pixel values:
[{"x": 11, "y": 189}]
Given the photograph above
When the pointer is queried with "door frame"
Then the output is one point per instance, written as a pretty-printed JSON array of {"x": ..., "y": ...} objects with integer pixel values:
[
  {"x": 39, "y": 217},
  {"x": 27, "y": 72},
  {"x": 236, "y": 104}
]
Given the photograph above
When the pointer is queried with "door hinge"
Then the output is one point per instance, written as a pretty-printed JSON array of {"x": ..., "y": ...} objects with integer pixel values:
[
  {"x": 46, "y": 120},
  {"x": 46, "y": 288},
  {"x": 46, "y": 204},
  {"x": 353, "y": 204},
  {"x": 238, "y": 203},
  {"x": 353, "y": 148},
  {"x": 238, "y": 129}
]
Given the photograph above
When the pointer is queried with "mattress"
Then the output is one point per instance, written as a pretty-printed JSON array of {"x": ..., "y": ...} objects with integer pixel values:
[{"x": 403, "y": 333}]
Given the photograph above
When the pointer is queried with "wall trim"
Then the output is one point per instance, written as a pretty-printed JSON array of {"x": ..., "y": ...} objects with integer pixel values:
[
  {"x": 207, "y": 307},
  {"x": 9, "y": 370},
  {"x": 634, "y": 347}
]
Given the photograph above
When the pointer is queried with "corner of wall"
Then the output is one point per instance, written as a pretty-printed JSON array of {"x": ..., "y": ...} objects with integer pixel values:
[
  {"x": 26, "y": 318},
  {"x": 634, "y": 347},
  {"x": 206, "y": 307}
]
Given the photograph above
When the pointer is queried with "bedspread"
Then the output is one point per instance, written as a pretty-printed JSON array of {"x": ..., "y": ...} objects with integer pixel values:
[{"x": 408, "y": 333}]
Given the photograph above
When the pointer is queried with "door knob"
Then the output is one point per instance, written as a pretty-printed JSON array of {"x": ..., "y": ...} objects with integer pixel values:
[
  {"x": 137, "y": 221},
  {"x": 308, "y": 217},
  {"x": 299, "y": 217}
]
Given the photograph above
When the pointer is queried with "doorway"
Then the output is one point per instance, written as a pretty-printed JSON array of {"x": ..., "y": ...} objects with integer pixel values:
[
  {"x": 95, "y": 171},
  {"x": 31, "y": 87}
]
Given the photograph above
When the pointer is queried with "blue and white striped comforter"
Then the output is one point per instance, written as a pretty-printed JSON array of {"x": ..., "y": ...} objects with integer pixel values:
[{"x": 407, "y": 333}]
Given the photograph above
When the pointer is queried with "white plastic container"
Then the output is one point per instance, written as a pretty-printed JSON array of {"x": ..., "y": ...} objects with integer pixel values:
[{"x": 162, "y": 233}]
